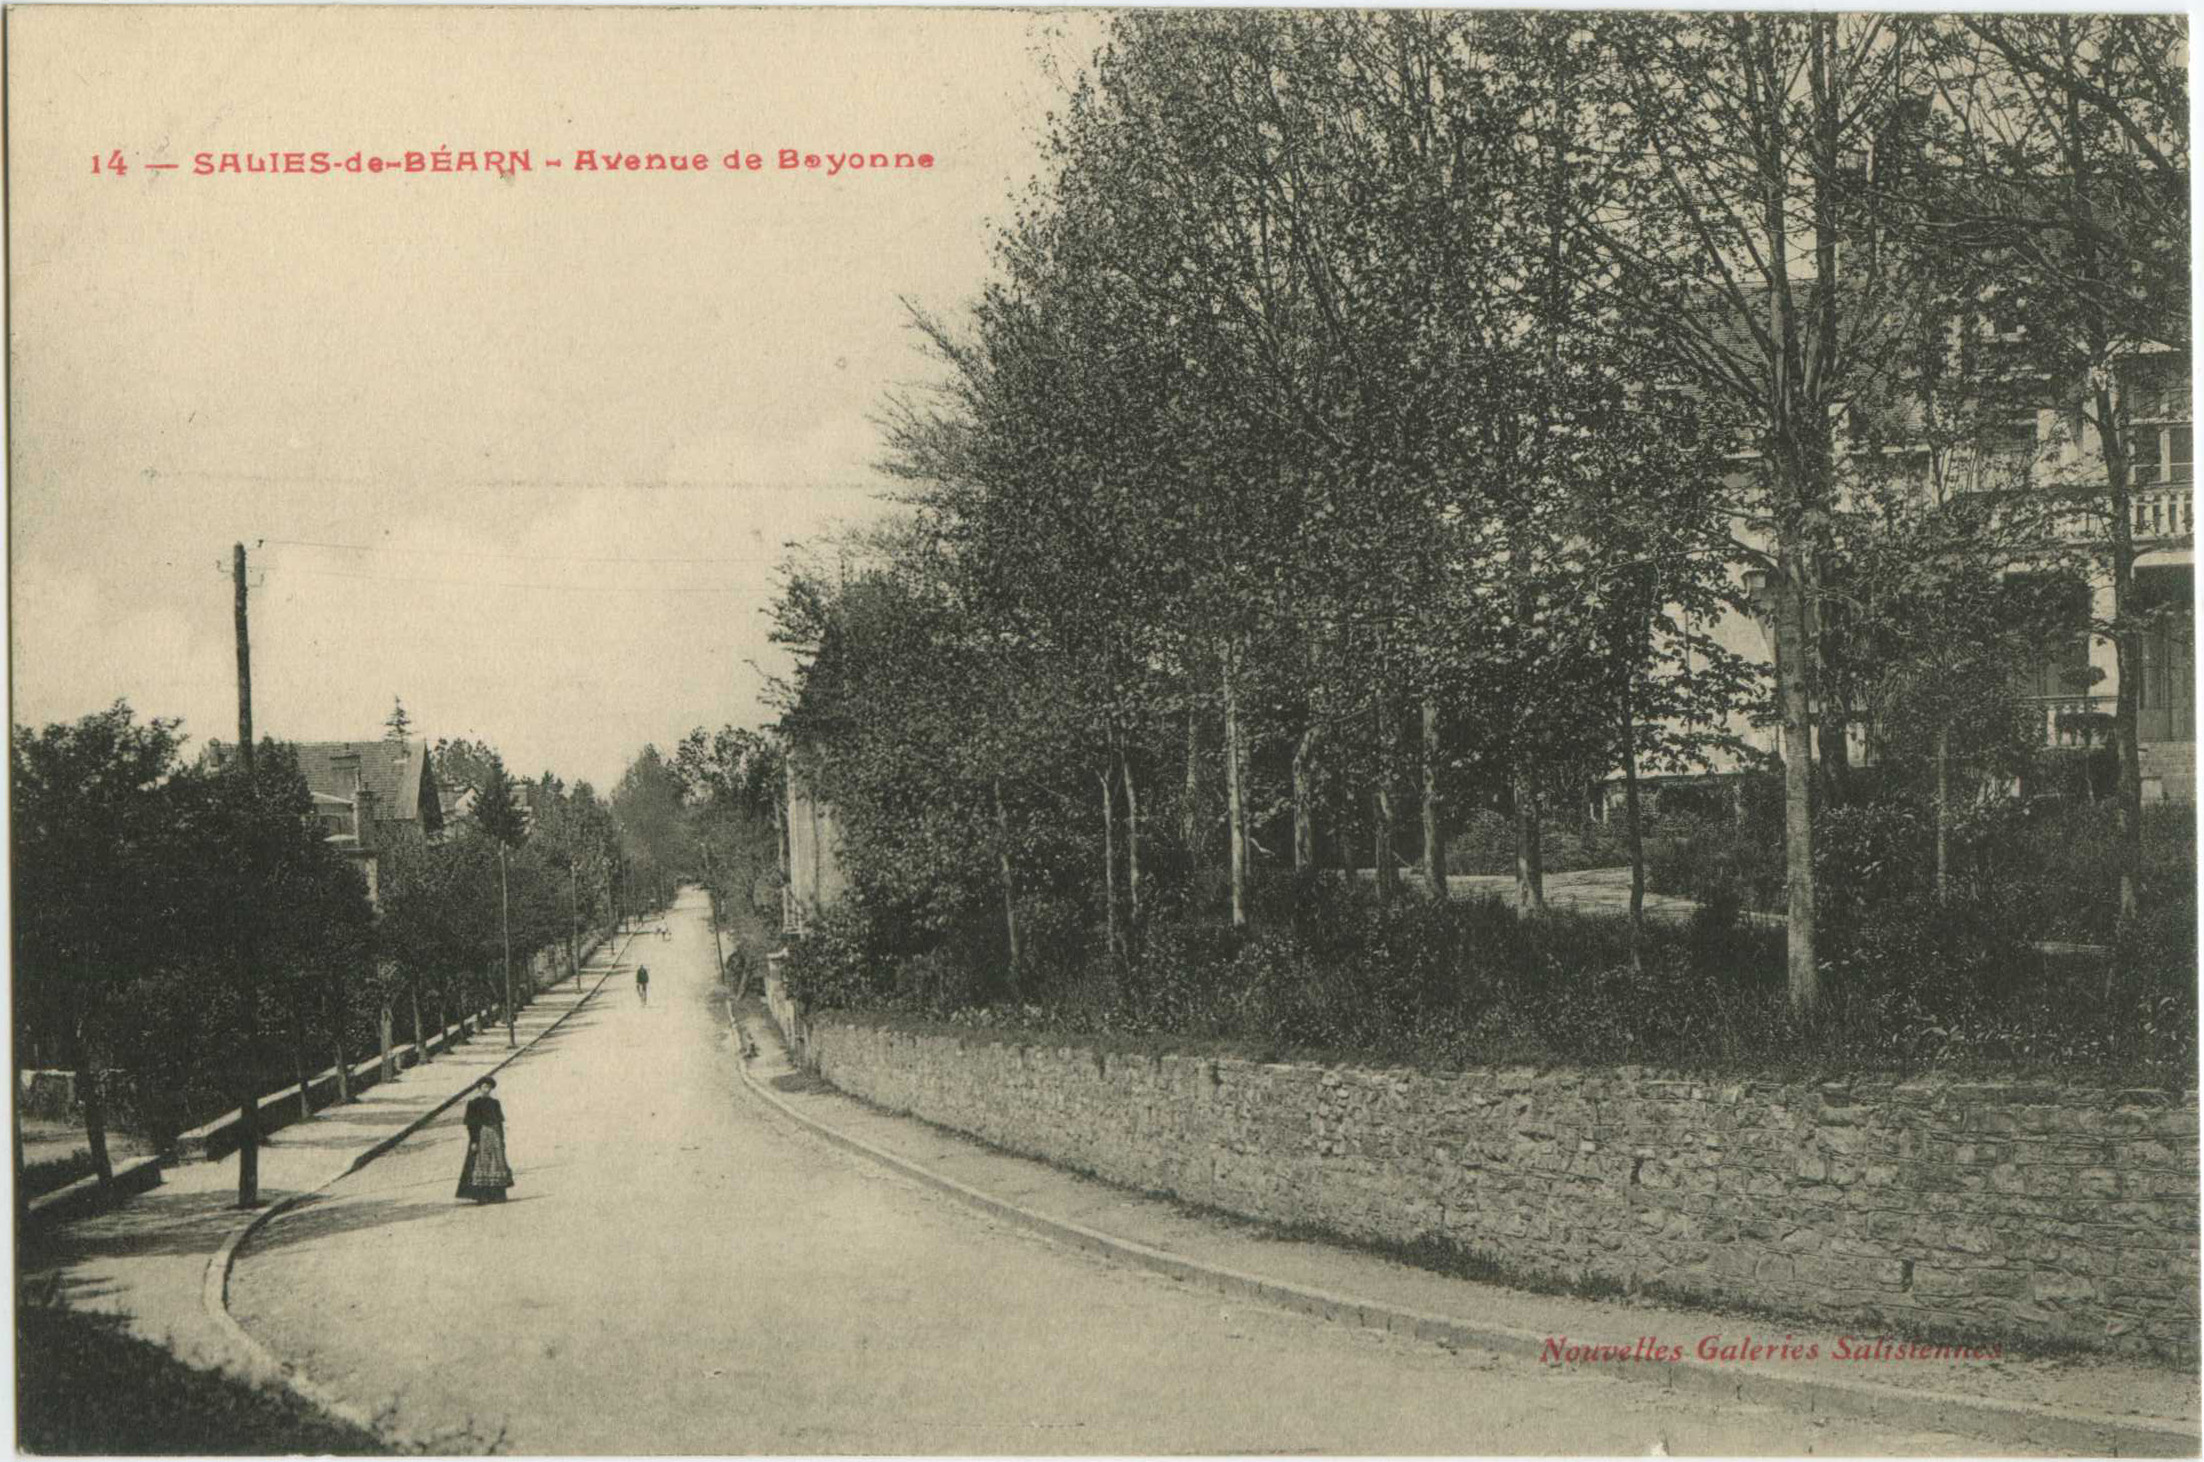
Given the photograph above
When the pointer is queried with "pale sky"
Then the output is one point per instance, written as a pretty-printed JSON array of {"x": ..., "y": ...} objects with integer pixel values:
[{"x": 558, "y": 428}]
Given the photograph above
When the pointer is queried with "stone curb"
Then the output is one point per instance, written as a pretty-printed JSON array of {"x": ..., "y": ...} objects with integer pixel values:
[
  {"x": 263, "y": 1364},
  {"x": 2007, "y": 1422}
]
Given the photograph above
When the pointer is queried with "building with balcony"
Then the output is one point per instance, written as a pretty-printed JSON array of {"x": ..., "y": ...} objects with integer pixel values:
[{"x": 2075, "y": 685}]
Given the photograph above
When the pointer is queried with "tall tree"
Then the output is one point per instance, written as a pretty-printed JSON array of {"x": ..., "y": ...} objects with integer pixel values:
[
  {"x": 1735, "y": 146},
  {"x": 91, "y": 835}
]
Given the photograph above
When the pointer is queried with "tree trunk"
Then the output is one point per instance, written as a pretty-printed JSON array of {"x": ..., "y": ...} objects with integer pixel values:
[
  {"x": 1798, "y": 790},
  {"x": 505, "y": 935},
  {"x": 1132, "y": 848},
  {"x": 1943, "y": 813},
  {"x": 1304, "y": 802},
  {"x": 301, "y": 1068},
  {"x": 248, "y": 1138},
  {"x": 1635, "y": 828},
  {"x": 22, "y": 1189},
  {"x": 91, "y": 1092},
  {"x": 2127, "y": 653},
  {"x": 1828, "y": 686},
  {"x": 1388, "y": 869},
  {"x": 1434, "y": 841},
  {"x": 1109, "y": 864},
  {"x": 1235, "y": 802},
  {"x": 1010, "y": 886},
  {"x": 1190, "y": 809},
  {"x": 340, "y": 1012},
  {"x": 2126, "y": 644},
  {"x": 386, "y": 1065},
  {"x": 248, "y": 1100},
  {"x": 1530, "y": 856}
]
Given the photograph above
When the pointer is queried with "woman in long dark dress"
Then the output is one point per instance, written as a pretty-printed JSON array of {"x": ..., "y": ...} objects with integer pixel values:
[{"x": 487, "y": 1175}]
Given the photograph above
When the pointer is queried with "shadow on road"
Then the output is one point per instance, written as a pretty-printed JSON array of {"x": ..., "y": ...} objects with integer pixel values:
[
  {"x": 154, "y": 1223},
  {"x": 321, "y": 1217}
]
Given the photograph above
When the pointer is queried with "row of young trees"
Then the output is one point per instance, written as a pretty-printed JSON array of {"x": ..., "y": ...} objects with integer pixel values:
[
  {"x": 712, "y": 814},
  {"x": 1383, "y": 409},
  {"x": 188, "y": 927}
]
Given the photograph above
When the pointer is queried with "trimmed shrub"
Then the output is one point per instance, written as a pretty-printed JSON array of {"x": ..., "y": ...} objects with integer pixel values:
[
  {"x": 1486, "y": 844},
  {"x": 1731, "y": 864}
]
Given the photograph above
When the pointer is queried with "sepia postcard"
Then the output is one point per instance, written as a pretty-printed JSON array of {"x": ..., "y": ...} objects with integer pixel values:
[{"x": 988, "y": 731}]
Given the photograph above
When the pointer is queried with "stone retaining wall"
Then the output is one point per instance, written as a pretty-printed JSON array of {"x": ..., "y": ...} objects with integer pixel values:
[{"x": 1969, "y": 1211}]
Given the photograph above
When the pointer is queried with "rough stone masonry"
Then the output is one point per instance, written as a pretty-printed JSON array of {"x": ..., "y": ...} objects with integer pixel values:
[{"x": 1974, "y": 1211}]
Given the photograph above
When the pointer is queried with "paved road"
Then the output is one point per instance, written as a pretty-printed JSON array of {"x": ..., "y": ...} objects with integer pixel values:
[{"x": 680, "y": 1271}]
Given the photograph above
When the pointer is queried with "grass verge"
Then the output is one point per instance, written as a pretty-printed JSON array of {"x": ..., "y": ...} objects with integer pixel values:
[{"x": 86, "y": 1387}]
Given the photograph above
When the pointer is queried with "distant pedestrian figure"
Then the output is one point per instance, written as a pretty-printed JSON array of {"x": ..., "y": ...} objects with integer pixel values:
[
  {"x": 642, "y": 983},
  {"x": 487, "y": 1175}
]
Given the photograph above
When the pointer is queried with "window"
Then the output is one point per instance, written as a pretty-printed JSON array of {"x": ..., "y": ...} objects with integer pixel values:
[
  {"x": 2161, "y": 421},
  {"x": 2061, "y": 606},
  {"x": 2166, "y": 683},
  {"x": 2004, "y": 456}
]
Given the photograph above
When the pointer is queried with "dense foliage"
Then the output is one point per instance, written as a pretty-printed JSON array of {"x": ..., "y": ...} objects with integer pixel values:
[
  {"x": 1376, "y": 431},
  {"x": 1336, "y": 974},
  {"x": 187, "y": 937}
]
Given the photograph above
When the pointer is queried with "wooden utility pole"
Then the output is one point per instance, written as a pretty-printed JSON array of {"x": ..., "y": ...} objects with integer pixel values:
[
  {"x": 244, "y": 665},
  {"x": 248, "y": 1105},
  {"x": 711, "y": 912},
  {"x": 505, "y": 932},
  {"x": 574, "y": 918}
]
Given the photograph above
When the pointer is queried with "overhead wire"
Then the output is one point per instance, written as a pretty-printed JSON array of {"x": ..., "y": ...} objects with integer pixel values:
[
  {"x": 520, "y": 557},
  {"x": 563, "y": 588}
]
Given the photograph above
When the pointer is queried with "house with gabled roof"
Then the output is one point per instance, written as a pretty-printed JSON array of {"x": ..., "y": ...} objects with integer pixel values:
[{"x": 372, "y": 795}]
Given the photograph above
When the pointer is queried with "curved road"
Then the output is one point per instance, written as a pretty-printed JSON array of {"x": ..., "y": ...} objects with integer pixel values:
[{"x": 682, "y": 1271}]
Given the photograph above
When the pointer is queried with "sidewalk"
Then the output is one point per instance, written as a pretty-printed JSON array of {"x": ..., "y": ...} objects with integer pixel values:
[
  {"x": 160, "y": 1259},
  {"x": 2087, "y": 1403}
]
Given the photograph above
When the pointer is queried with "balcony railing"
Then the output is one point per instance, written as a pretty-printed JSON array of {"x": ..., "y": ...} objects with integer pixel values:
[
  {"x": 2076, "y": 720},
  {"x": 792, "y": 914},
  {"x": 2164, "y": 510}
]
